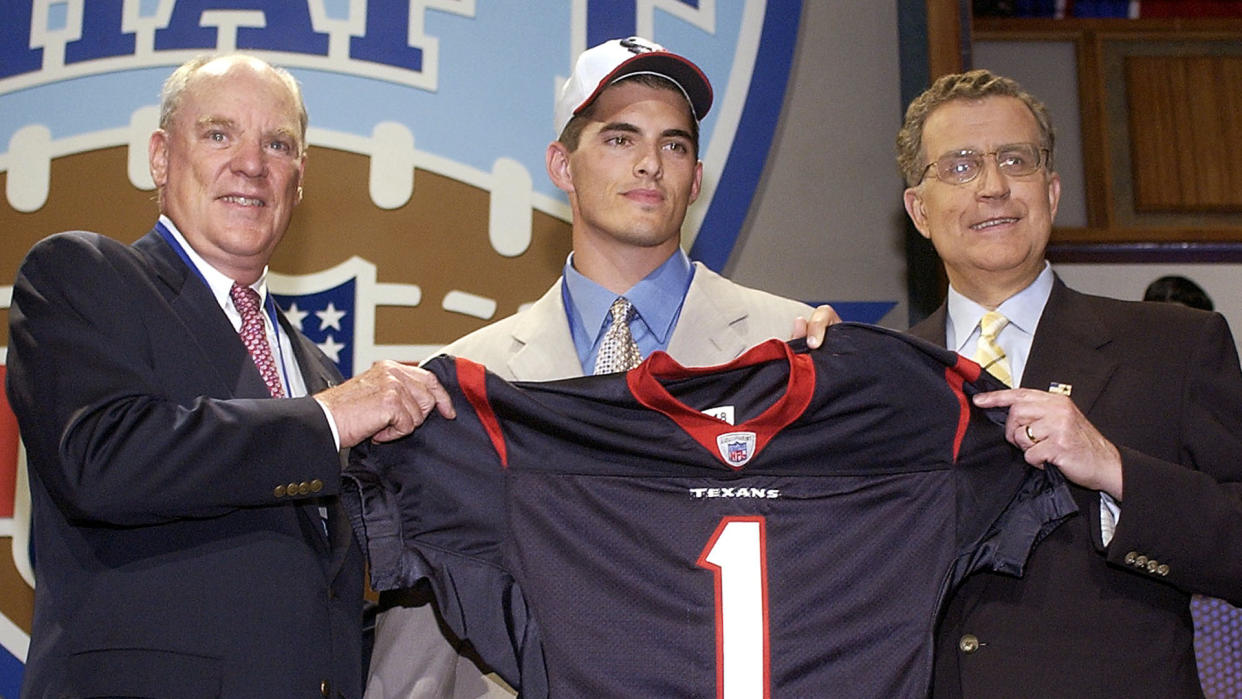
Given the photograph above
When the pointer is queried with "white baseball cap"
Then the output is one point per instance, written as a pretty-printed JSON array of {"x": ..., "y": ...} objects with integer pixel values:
[{"x": 603, "y": 65}]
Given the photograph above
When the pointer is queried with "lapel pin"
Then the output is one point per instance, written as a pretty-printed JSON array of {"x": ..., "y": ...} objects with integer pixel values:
[{"x": 1063, "y": 389}]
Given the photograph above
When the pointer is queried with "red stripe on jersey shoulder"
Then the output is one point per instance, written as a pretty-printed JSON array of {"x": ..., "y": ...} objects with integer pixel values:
[
  {"x": 472, "y": 378},
  {"x": 968, "y": 368},
  {"x": 964, "y": 370}
]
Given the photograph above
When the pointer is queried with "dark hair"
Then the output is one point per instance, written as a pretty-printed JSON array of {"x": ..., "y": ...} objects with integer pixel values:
[
  {"x": 1176, "y": 289},
  {"x": 573, "y": 128}
]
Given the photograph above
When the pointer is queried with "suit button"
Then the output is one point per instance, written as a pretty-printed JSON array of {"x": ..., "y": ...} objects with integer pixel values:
[
  {"x": 279, "y": 491},
  {"x": 1140, "y": 562},
  {"x": 969, "y": 643},
  {"x": 316, "y": 485},
  {"x": 325, "y": 688},
  {"x": 1163, "y": 570},
  {"x": 1152, "y": 566},
  {"x": 303, "y": 488},
  {"x": 1130, "y": 558},
  {"x": 292, "y": 489}
]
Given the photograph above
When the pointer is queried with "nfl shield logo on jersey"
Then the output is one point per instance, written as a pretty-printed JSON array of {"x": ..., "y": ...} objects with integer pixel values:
[{"x": 736, "y": 447}]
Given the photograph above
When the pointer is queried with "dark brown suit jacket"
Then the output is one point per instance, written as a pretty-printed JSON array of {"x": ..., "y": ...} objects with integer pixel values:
[{"x": 1162, "y": 383}]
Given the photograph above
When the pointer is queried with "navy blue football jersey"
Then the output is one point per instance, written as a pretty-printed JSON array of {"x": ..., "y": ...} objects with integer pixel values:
[{"x": 786, "y": 524}]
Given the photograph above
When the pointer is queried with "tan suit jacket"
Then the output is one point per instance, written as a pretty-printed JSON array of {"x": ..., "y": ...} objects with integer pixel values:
[{"x": 719, "y": 320}]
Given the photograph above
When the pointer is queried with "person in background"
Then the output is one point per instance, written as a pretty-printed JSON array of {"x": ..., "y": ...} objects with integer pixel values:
[
  {"x": 1218, "y": 624},
  {"x": 188, "y": 534},
  {"x": 1178, "y": 289},
  {"x": 627, "y": 157},
  {"x": 1138, "y": 404}
]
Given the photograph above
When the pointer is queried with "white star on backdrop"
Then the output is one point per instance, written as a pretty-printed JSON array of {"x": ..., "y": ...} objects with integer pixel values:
[
  {"x": 332, "y": 348},
  {"x": 296, "y": 315},
  {"x": 330, "y": 317}
]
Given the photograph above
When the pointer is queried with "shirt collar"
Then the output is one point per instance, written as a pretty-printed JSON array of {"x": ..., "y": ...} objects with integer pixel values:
[
  {"x": 217, "y": 281},
  {"x": 1023, "y": 310},
  {"x": 657, "y": 297}
]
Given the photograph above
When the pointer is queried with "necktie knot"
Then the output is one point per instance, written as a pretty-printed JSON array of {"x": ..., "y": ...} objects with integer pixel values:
[
  {"x": 621, "y": 310},
  {"x": 992, "y": 323},
  {"x": 253, "y": 333},
  {"x": 245, "y": 299},
  {"x": 988, "y": 352},
  {"x": 618, "y": 351}
]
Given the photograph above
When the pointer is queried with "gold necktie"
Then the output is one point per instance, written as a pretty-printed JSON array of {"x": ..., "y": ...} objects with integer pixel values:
[
  {"x": 618, "y": 351},
  {"x": 988, "y": 354}
]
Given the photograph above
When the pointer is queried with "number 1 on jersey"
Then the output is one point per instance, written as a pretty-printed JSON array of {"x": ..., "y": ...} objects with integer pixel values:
[{"x": 737, "y": 554}]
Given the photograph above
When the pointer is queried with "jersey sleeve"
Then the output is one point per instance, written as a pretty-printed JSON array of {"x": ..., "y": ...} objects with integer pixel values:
[
  {"x": 431, "y": 506},
  {"x": 1005, "y": 506}
]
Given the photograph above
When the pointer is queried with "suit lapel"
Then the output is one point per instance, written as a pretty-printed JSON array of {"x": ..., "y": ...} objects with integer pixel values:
[
  {"x": 206, "y": 325},
  {"x": 704, "y": 334},
  {"x": 932, "y": 328},
  {"x": 1066, "y": 348},
  {"x": 547, "y": 349},
  {"x": 230, "y": 364}
]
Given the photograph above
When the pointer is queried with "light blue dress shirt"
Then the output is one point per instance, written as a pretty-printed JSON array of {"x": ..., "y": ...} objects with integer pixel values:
[{"x": 657, "y": 300}]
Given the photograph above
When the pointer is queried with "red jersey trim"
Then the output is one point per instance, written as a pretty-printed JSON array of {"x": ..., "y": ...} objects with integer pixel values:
[
  {"x": 472, "y": 378},
  {"x": 964, "y": 370},
  {"x": 645, "y": 386}
]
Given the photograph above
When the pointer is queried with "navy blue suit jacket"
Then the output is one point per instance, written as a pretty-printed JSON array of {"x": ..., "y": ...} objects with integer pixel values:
[{"x": 170, "y": 558}]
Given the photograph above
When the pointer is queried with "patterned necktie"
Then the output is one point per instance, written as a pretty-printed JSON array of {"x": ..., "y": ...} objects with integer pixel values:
[
  {"x": 988, "y": 354},
  {"x": 618, "y": 351},
  {"x": 254, "y": 335}
]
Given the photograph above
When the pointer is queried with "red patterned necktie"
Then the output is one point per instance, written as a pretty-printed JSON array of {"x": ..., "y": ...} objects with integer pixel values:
[{"x": 254, "y": 335}]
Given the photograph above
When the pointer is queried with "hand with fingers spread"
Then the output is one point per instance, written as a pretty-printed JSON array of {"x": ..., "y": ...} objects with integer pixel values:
[
  {"x": 1049, "y": 428},
  {"x": 384, "y": 402}
]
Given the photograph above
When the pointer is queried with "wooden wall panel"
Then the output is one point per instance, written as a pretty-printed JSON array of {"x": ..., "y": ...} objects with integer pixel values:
[
  {"x": 1161, "y": 119},
  {"x": 1185, "y": 117}
]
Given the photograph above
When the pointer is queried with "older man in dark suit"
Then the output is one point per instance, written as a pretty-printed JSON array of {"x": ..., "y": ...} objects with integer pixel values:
[
  {"x": 189, "y": 541},
  {"x": 1139, "y": 405}
]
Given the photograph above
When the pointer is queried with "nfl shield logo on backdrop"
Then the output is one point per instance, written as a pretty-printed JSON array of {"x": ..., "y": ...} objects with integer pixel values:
[{"x": 335, "y": 309}]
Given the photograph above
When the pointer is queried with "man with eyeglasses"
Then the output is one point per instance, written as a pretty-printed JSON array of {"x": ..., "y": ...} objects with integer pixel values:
[{"x": 1139, "y": 405}]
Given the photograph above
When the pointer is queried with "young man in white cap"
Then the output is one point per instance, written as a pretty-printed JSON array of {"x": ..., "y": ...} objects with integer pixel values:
[{"x": 627, "y": 157}]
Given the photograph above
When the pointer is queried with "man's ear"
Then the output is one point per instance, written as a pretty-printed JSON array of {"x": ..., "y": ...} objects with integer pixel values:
[
  {"x": 697, "y": 185},
  {"x": 301, "y": 177},
  {"x": 917, "y": 210},
  {"x": 157, "y": 157},
  {"x": 557, "y": 161}
]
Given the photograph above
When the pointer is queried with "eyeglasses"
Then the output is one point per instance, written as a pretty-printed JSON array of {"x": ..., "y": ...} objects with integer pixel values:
[{"x": 1014, "y": 160}]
